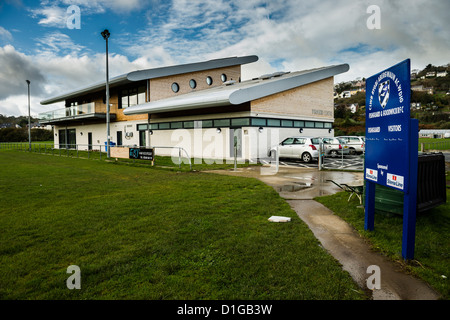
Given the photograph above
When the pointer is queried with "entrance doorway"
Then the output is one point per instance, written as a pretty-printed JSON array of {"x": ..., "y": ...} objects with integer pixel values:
[{"x": 236, "y": 136}]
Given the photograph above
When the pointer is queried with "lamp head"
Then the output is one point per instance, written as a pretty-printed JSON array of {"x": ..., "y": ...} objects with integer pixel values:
[
  {"x": 105, "y": 34},
  {"x": 28, "y": 81}
]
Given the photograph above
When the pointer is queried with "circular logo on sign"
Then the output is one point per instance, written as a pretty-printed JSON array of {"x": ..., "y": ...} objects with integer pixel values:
[{"x": 383, "y": 93}]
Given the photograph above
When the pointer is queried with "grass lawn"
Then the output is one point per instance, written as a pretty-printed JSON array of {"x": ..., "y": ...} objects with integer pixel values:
[
  {"x": 432, "y": 250},
  {"x": 149, "y": 233}
]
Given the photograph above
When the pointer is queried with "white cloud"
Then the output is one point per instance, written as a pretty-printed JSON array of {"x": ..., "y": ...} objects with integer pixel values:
[{"x": 5, "y": 34}]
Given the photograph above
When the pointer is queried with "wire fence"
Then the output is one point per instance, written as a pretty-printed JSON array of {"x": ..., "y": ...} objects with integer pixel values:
[{"x": 99, "y": 152}]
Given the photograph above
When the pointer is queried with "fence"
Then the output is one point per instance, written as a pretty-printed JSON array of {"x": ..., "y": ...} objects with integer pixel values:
[
  {"x": 438, "y": 145},
  {"x": 91, "y": 151}
]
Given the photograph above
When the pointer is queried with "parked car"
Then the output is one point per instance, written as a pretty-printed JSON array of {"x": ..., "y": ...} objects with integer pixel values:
[
  {"x": 356, "y": 144},
  {"x": 334, "y": 147},
  {"x": 304, "y": 148}
]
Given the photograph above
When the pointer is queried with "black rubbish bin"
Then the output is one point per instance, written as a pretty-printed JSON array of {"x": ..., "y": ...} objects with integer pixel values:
[{"x": 431, "y": 187}]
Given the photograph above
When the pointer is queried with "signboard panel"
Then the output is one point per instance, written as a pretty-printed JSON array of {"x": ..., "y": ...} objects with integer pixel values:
[
  {"x": 387, "y": 127},
  {"x": 141, "y": 153}
]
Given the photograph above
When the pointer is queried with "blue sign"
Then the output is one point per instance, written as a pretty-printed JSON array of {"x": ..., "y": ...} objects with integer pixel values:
[
  {"x": 391, "y": 154},
  {"x": 387, "y": 127}
]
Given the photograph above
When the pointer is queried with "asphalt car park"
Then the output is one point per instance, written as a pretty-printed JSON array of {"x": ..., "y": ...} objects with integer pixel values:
[{"x": 346, "y": 162}]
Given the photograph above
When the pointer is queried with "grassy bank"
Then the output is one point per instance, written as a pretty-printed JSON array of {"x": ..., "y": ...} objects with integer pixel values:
[
  {"x": 147, "y": 233},
  {"x": 432, "y": 250}
]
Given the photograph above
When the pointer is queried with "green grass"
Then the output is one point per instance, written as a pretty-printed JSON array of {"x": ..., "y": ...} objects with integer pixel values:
[
  {"x": 432, "y": 249},
  {"x": 434, "y": 144},
  {"x": 148, "y": 233}
]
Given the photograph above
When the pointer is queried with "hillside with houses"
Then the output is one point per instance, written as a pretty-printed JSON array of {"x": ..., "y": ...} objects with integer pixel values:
[{"x": 430, "y": 101}]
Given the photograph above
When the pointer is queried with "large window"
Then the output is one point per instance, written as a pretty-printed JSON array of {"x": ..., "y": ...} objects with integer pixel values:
[{"x": 131, "y": 97}]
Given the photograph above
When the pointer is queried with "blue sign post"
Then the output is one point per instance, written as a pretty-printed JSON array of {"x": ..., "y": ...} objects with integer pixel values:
[{"x": 391, "y": 153}]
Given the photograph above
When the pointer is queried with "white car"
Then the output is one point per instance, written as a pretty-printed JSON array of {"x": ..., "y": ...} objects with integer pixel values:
[
  {"x": 304, "y": 148},
  {"x": 334, "y": 147},
  {"x": 356, "y": 144}
]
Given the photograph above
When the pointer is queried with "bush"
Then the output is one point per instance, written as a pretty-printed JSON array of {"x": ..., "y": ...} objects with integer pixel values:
[{"x": 21, "y": 135}]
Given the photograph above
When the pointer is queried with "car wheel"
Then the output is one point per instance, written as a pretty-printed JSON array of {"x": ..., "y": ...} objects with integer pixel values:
[
  {"x": 333, "y": 153},
  {"x": 352, "y": 151},
  {"x": 306, "y": 157}
]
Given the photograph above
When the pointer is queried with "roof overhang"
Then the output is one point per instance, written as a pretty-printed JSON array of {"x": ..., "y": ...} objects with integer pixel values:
[
  {"x": 238, "y": 93},
  {"x": 140, "y": 75}
]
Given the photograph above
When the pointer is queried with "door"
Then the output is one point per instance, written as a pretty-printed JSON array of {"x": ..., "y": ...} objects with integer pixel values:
[
  {"x": 142, "y": 138},
  {"x": 285, "y": 148},
  {"x": 119, "y": 138},
  {"x": 62, "y": 138},
  {"x": 89, "y": 140},
  {"x": 298, "y": 147},
  {"x": 236, "y": 138},
  {"x": 72, "y": 138}
]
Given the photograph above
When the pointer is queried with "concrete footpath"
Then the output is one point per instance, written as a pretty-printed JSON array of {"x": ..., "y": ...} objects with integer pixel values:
[{"x": 299, "y": 186}]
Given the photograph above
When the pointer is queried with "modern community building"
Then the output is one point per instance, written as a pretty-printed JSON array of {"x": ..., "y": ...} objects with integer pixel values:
[{"x": 202, "y": 107}]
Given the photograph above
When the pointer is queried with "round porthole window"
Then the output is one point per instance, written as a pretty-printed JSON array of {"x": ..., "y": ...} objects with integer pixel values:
[
  {"x": 193, "y": 84},
  {"x": 209, "y": 81},
  {"x": 175, "y": 87},
  {"x": 223, "y": 77}
]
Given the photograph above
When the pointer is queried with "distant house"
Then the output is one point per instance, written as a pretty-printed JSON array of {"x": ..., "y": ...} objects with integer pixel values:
[
  {"x": 434, "y": 133},
  {"x": 431, "y": 74},
  {"x": 441, "y": 74},
  {"x": 421, "y": 88}
]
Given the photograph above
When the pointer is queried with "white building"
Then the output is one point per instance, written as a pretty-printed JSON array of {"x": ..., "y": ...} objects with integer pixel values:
[{"x": 202, "y": 107}]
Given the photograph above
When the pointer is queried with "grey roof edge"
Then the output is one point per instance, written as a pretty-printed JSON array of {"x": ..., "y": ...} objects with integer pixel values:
[
  {"x": 273, "y": 87},
  {"x": 122, "y": 79},
  {"x": 154, "y": 73},
  {"x": 190, "y": 67}
]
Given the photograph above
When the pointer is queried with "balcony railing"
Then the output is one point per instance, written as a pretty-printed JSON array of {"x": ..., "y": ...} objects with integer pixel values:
[{"x": 73, "y": 111}]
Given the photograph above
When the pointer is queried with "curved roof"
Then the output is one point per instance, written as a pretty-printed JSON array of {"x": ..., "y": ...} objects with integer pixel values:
[
  {"x": 238, "y": 93},
  {"x": 152, "y": 74}
]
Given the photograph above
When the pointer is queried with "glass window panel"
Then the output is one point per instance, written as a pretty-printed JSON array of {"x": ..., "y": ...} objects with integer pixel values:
[
  {"x": 176, "y": 125},
  {"x": 222, "y": 123},
  {"x": 188, "y": 124},
  {"x": 299, "y": 124},
  {"x": 133, "y": 99},
  {"x": 328, "y": 125},
  {"x": 141, "y": 127},
  {"x": 258, "y": 122},
  {"x": 240, "y": 122},
  {"x": 207, "y": 123},
  {"x": 288, "y": 141},
  {"x": 124, "y": 101},
  {"x": 154, "y": 126},
  {"x": 309, "y": 124},
  {"x": 164, "y": 125},
  {"x": 286, "y": 123},
  {"x": 319, "y": 125},
  {"x": 273, "y": 122}
]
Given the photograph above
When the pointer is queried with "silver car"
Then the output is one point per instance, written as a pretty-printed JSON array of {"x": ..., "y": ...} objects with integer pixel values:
[
  {"x": 356, "y": 144},
  {"x": 334, "y": 147},
  {"x": 304, "y": 148}
]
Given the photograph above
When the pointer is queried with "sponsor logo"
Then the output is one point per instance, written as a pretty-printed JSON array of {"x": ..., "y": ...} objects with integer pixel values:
[
  {"x": 395, "y": 181},
  {"x": 372, "y": 174},
  {"x": 383, "y": 93}
]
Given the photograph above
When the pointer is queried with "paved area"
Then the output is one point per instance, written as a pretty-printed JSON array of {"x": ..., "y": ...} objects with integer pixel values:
[
  {"x": 348, "y": 162},
  {"x": 299, "y": 186}
]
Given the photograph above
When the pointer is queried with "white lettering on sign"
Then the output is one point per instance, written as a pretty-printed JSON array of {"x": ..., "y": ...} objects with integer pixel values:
[
  {"x": 373, "y": 130},
  {"x": 395, "y": 128},
  {"x": 395, "y": 181},
  {"x": 372, "y": 174}
]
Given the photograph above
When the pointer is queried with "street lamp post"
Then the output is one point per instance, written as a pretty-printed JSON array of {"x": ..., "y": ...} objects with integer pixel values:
[
  {"x": 29, "y": 117},
  {"x": 105, "y": 34}
]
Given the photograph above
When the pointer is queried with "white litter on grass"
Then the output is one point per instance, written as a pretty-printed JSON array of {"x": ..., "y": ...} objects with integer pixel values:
[{"x": 279, "y": 219}]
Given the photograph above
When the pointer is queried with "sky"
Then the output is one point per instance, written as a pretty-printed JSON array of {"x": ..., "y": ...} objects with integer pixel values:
[{"x": 57, "y": 44}]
